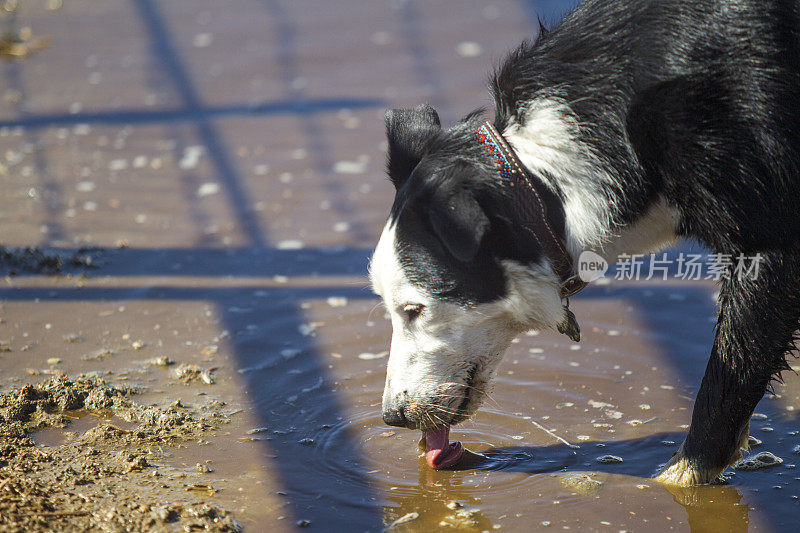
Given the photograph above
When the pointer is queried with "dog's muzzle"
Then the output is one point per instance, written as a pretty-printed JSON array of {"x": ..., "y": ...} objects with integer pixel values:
[{"x": 437, "y": 410}]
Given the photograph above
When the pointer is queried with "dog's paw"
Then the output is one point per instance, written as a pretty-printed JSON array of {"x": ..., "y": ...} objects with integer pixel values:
[{"x": 680, "y": 472}]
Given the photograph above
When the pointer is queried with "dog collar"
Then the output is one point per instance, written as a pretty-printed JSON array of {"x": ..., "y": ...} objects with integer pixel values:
[{"x": 513, "y": 172}]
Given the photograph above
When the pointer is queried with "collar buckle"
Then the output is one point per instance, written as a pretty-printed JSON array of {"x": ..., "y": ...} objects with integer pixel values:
[{"x": 571, "y": 286}]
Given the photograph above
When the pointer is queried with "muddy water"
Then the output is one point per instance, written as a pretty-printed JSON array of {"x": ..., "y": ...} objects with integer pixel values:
[
  {"x": 624, "y": 391},
  {"x": 228, "y": 161},
  {"x": 79, "y": 423}
]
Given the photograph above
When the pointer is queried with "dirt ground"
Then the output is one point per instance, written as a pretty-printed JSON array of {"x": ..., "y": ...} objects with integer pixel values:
[{"x": 105, "y": 477}]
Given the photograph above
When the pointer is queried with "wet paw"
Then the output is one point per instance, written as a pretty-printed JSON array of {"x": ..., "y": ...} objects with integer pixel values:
[{"x": 679, "y": 471}]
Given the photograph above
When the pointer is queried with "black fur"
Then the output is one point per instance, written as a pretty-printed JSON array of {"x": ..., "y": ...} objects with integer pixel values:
[
  {"x": 441, "y": 223},
  {"x": 696, "y": 102},
  {"x": 408, "y": 130},
  {"x": 456, "y": 221}
]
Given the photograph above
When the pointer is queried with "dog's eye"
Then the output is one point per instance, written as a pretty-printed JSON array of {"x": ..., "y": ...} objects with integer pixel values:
[{"x": 412, "y": 311}]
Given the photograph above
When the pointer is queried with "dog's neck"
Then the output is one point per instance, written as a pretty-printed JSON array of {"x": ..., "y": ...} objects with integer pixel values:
[
  {"x": 536, "y": 207},
  {"x": 549, "y": 145}
]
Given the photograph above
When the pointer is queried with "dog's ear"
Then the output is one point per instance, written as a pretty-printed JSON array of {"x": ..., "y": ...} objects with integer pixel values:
[
  {"x": 407, "y": 131},
  {"x": 460, "y": 223}
]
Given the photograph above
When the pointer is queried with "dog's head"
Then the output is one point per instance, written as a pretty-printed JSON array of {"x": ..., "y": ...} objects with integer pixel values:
[{"x": 457, "y": 273}]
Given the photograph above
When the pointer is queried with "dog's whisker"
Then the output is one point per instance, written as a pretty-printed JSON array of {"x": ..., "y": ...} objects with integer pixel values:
[{"x": 377, "y": 305}]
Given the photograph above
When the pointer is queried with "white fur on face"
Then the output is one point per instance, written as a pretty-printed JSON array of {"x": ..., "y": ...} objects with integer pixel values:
[{"x": 432, "y": 358}]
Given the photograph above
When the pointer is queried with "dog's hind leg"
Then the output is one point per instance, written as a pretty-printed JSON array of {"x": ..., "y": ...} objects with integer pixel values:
[{"x": 755, "y": 328}]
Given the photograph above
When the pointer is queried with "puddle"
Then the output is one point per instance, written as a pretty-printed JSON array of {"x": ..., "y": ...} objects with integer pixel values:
[
  {"x": 625, "y": 395},
  {"x": 79, "y": 423}
]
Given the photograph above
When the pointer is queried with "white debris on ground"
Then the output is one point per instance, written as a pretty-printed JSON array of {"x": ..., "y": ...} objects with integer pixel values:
[
  {"x": 359, "y": 166},
  {"x": 367, "y": 356},
  {"x": 208, "y": 189},
  {"x": 337, "y": 301},
  {"x": 469, "y": 49},
  {"x": 191, "y": 157},
  {"x": 202, "y": 40},
  {"x": 307, "y": 329},
  {"x": 118, "y": 164},
  {"x": 406, "y": 518},
  {"x": 188, "y": 373},
  {"x": 291, "y": 244}
]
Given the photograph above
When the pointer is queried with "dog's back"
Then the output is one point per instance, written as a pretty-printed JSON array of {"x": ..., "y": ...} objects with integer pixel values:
[{"x": 707, "y": 92}]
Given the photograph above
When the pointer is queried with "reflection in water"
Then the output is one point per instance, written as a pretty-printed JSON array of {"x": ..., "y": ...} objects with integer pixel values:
[
  {"x": 79, "y": 422},
  {"x": 713, "y": 507},
  {"x": 709, "y": 508},
  {"x": 435, "y": 501},
  {"x": 449, "y": 499}
]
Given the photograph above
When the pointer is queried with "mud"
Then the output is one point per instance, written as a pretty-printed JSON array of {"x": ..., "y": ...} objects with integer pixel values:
[
  {"x": 192, "y": 374},
  {"x": 17, "y": 43},
  {"x": 98, "y": 479},
  {"x": 14, "y": 261}
]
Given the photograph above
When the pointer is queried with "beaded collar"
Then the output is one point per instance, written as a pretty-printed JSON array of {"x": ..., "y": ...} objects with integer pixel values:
[{"x": 514, "y": 173}]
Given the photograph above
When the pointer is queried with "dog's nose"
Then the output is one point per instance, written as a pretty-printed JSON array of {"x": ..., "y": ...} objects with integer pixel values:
[{"x": 395, "y": 416}]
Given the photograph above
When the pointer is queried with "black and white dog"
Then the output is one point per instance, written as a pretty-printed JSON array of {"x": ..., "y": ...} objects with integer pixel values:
[{"x": 630, "y": 124}]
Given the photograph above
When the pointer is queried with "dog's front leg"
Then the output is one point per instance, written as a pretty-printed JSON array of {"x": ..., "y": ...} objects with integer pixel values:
[{"x": 757, "y": 319}]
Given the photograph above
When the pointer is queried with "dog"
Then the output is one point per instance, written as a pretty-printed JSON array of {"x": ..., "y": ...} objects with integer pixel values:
[{"x": 628, "y": 125}]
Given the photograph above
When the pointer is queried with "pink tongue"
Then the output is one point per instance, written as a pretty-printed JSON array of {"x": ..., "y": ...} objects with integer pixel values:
[{"x": 439, "y": 452}]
